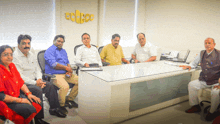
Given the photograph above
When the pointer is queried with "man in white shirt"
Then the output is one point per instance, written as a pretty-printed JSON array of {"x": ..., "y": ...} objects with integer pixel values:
[
  {"x": 143, "y": 51},
  {"x": 209, "y": 60},
  {"x": 27, "y": 65},
  {"x": 87, "y": 54}
]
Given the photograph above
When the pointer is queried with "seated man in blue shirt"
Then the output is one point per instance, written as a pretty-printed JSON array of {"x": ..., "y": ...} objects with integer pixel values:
[{"x": 57, "y": 63}]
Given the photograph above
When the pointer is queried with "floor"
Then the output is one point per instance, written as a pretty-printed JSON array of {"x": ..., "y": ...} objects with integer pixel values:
[{"x": 170, "y": 115}]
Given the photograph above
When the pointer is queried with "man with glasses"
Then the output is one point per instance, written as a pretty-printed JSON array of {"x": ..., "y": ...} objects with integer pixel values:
[
  {"x": 87, "y": 54},
  {"x": 112, "y": 53}
]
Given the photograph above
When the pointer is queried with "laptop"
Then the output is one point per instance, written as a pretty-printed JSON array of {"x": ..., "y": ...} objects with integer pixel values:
[{"x": 183, "y": 60}]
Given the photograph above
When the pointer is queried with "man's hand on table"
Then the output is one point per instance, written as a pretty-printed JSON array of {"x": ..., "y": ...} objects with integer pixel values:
[
  {"x": 185, "y": 67},
  {"x": 86, "y": 65}
]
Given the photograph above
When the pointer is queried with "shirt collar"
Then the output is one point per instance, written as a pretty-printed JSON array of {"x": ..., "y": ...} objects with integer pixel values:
[
  {"x": 20, "y": 53},
  {"x": 113, "y": 46},
  {"x": 86, "y": 46},
  {"x": 55, "y": 47},
  {"x": 210, "y": 52}
]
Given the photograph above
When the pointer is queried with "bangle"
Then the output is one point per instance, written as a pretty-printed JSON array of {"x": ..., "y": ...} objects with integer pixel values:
[{"x": 28, "y": 93}]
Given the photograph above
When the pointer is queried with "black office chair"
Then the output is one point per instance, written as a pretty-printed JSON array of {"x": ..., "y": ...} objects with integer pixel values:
[
  {"x": 41, "y": 62},
  {"x": 77, "y": 46},
  {"x": 100, "y": 50}
]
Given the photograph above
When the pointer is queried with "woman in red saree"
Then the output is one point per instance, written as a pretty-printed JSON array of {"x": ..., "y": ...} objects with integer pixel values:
[{"x": 11, "y": 84}]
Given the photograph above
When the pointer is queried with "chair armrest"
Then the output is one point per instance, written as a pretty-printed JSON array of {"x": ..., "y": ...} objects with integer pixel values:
[
  {"x": 47, "y": 77},
  {"x": 105, "y": 63},
  {"x": 132, "y": 60}
]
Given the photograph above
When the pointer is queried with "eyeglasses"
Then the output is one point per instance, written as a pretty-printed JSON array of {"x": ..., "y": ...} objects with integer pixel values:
[{"x": 7, "y": 54}]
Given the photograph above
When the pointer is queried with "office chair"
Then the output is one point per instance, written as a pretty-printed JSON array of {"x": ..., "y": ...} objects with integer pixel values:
[
  {"x": 204, "y": 96},
  {"x": 77, "y": 46},
  {"x": 106, "y": 63},
  {"x": 100, "y": 50},
  {"x": 41, "y": 62}
]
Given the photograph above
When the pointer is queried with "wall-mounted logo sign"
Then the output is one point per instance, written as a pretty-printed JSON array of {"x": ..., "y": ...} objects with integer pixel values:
[{"x": 79, "y": 17}]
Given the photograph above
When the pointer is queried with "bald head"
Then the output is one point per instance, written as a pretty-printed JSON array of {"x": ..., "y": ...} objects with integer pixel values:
[{"x": 211, "y": 39}]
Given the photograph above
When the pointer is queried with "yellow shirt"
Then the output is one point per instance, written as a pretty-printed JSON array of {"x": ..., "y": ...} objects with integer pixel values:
[{"x": 112, "y": 55}]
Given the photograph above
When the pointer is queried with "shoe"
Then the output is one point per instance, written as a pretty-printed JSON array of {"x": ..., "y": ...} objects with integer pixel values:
[
  {"x": 210, "y": 116},
  {"x": 57, "y": 112},
  {"x": 63, "y": 110},
  {"x": 71, "y": 104},
  {"x": 40, "y": 121},
  {"x": 194, "y": 109}
]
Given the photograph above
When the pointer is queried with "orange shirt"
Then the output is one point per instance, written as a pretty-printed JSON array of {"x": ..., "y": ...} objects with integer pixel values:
[{"x": 10, "y": 82}]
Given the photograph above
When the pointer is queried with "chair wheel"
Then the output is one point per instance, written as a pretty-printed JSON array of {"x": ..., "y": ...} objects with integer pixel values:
[
  {"x": 206, "y": 109},
  {"x": 201, "y": 104}
]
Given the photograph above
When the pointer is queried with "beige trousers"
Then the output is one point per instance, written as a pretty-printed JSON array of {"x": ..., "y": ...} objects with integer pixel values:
[{"x": 61, "y": 81}]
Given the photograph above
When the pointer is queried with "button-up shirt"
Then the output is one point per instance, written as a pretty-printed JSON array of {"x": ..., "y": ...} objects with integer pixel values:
[
  {"x": 28, "y": 67},
  {"x": 54, "y": 55},
  {"x": 144, "y": 53},
  {"x": 10, "y": 82},
  {"x": 87, "y": 55},
  {"x": 112, "y": 55}
]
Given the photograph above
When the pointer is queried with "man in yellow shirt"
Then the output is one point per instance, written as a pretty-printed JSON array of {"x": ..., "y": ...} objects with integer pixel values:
[{"x": 112, "y": 53}]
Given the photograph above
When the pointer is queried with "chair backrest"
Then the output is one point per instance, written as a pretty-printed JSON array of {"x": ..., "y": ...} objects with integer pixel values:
[
  {"x": 100, "y": 49},
  {"x": 77, "y": 46},
  {"x": 41, "y": 60}
]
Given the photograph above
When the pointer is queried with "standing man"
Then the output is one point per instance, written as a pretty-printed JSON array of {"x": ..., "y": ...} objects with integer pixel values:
[
  {"x": 112, "y": 53},
  {"x": 143, "y": 52},
  {"x": 210, "y": 63},
  {"x": 27, "y": 65},
  {"x": 57, "y": 63},
  {"x": 87, "y": 54}
]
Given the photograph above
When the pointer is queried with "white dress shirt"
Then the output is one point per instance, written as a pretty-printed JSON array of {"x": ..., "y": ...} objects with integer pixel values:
[
  {"x": 87, "y": 55},
  {"x": 28, "y": 67},
  {"x": 144, "y": 53}
]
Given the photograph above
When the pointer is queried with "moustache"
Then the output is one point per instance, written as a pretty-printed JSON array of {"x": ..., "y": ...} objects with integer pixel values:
[
  {"x": 27, "y": 48},
  {"x": 116, "y": 43}
]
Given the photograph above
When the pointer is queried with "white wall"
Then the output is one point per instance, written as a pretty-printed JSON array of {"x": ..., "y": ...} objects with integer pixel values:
[
  {"x": 169, "y": 24},
  {"x": 72, "y": 30},
  {"x": 182, "y": 24},
  {"x": 32, "y": 17}
]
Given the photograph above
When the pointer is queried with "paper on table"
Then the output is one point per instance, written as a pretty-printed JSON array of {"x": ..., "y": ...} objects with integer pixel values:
[
  {"x": 175, "y": 63},
  {"x": 91, "y": 69}
]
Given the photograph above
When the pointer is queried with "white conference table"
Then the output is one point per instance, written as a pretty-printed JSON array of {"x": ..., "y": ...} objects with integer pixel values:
[{"x": 125, "y": 91}]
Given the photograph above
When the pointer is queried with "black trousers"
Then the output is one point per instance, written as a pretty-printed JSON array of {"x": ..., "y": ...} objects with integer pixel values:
[
  {"x": 37, "y": 91},
  {"x": 23, "y": 109},
  {"x": 51, "y": 94}
]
